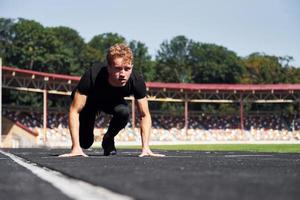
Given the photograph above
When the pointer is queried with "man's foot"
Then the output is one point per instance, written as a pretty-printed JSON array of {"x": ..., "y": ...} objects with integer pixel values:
[{"x": 108, "y": 146}]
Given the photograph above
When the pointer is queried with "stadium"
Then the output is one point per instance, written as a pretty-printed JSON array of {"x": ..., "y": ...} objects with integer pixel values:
[
  {"x": 51, "y": 129},
  {"x": 211, "y": 113},
  {"x": 24, "y": 127}
]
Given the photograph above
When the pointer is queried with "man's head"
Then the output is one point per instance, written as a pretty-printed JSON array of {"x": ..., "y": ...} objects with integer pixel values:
[{"x": 119, "y": 58}]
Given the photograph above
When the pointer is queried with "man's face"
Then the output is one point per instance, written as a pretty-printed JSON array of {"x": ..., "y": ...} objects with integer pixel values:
[{"x": 119, "y": 72}]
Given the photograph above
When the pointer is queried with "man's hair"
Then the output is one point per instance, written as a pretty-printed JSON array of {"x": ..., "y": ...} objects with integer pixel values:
[{"x": 119, "y": 51}]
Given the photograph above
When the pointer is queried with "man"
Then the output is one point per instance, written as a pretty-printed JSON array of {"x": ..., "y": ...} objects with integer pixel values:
[{"x": 104, "y": 89}]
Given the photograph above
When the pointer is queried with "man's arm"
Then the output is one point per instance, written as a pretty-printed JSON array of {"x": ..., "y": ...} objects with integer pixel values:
[
  {"x": 143, "y": 108},
  {"x": 75, "y": 108}
]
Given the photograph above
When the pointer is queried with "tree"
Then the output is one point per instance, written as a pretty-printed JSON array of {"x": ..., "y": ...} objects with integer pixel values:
[
  {"x": 173, "y": 61},
  {"x": 80, "y": 56},
  {"x": 6, "y": 39},
  {"x": 103, "y": 41},
  {"x": 291, "y": 75},
  {"x": 69, "y": 38},
  {"x": 264, "y": 68},
  {"x": 183, "y": 60},
  {"x": 17, "y": 97},
  {"x": 31, "y": 46},
  {"x": 285, "y": 60},
  {"x": 142, "y": 60},
  {"x": 88, "y": 57},
  {"x": 214, "y": 64}
]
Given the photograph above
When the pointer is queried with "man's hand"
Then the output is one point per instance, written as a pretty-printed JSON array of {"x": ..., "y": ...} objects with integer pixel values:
[
  {"x": 74, "y": 152},
  {"x": 148, "y": 152}
]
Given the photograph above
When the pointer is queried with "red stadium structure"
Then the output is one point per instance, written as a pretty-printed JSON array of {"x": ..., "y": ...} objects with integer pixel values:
[{"x": 48, "y": 83}]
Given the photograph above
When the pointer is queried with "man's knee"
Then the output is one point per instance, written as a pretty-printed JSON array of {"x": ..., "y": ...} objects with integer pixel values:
[{"x": 86, "y": 143}]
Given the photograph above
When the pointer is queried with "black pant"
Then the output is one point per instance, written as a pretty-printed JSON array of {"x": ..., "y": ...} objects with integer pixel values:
[{"x": 87, "y": 116}]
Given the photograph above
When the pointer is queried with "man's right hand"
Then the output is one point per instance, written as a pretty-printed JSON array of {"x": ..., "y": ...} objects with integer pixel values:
[{"x": 74, "y": 152}]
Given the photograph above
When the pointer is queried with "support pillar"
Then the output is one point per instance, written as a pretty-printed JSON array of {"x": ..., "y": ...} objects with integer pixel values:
[
  {"x": 241, "y": 114},
  {"x": 299, "y": 107},
  {"x": 133, "y": 114},
  {"x": 186, "y": 116},
  {"x": 45, "y": 115}
]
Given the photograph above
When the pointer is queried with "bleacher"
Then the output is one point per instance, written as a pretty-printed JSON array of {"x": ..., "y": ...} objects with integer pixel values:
[{"x": 167, "y": 128}]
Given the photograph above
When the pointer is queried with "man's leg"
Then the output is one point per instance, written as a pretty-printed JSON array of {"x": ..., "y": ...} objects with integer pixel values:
[
  {"x": 86, "y": 127},
  {"x": 119, "y": 120}
]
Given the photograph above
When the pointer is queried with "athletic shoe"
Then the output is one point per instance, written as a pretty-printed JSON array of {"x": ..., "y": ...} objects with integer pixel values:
[{"x": 108, "y": 146}]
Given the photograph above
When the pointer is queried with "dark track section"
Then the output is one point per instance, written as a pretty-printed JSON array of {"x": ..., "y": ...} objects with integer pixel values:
[
  {"x": 180, "y": 175},
  {"x": 16, "y": 182}
]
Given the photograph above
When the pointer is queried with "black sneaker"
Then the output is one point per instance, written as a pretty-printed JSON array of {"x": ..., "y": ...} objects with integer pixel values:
[{"x": 108, "y": 146}]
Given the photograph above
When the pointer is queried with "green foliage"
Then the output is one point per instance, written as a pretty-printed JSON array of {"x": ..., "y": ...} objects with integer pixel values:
[
  {"x": 16, "y": 97},
  {"x": 228, "y": 109},
  {"x": 28, "y": 44},
  {"x": 215, "y": 64},
  {"x": 33, "y": 47},
  {"x": 80, "y": 56},
  {"x": 263, "y": 69},
  {"x": 88, "y": 57},
  {"x": 69, "y": 38},
  {"x": 59, "y": 102},
  {"x": 103, "y": 41},
  {"x": 172, "y": 61},
  {"x": 6, "y": 39},
  {"x": 142, "y": 60},
  {"x": 291, "y": 75},
  {"x": 71, "y": 45},
  {"x": 280, "y": 108},
  {"x": 172, "y": 108},
  {"x": 183, "y": 60}
]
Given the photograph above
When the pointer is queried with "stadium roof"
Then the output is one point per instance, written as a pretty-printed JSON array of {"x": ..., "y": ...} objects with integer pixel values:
[
  {"x": 29, "y": 80},
  {"x": 228, "y": 87}
]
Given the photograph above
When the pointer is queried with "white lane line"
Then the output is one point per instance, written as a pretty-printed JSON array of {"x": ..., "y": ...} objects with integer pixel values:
[
  {"x": 73, "y": 188},
  {"x": 248, "y": 155},
  {"x": 177, "y": 157}
]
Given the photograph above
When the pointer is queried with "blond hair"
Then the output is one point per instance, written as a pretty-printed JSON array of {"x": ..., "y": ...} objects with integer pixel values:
[{"x": 119, "y": 51}]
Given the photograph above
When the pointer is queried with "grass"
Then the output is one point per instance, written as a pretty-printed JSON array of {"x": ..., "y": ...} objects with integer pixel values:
[{"x": 275, "y": 148}]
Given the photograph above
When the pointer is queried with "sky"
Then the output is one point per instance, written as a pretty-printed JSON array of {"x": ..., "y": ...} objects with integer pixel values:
[{"x": 243, "y": 26}]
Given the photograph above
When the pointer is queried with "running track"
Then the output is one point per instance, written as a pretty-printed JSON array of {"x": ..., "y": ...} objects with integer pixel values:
[{"x": 180, "y": 175}]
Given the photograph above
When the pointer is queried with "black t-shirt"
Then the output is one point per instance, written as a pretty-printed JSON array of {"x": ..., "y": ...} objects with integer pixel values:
[{"x": 94, "y": 83}]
